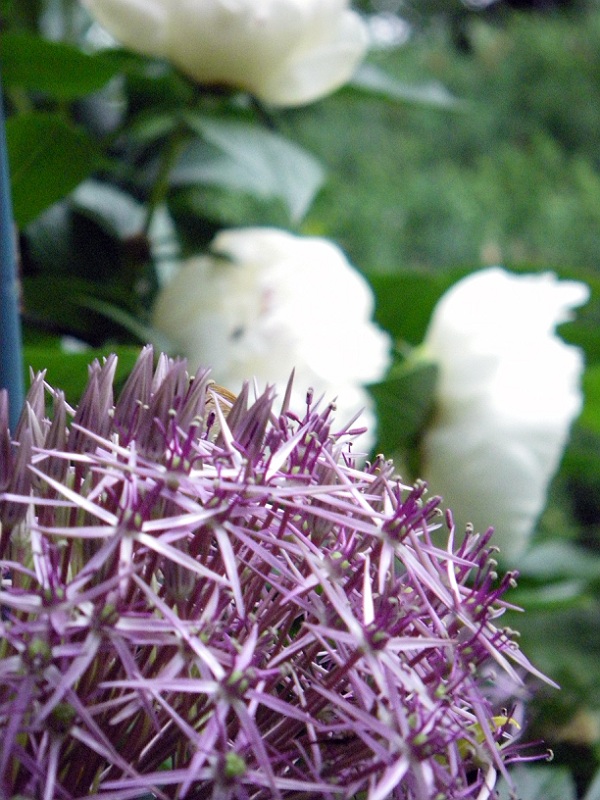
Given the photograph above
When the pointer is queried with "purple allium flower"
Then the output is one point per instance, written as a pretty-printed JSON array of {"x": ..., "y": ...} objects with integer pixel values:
[{"x": 208, "y": 603}]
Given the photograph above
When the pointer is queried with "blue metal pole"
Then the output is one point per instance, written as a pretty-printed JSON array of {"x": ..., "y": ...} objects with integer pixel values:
[{"x": 11, "y": 347}]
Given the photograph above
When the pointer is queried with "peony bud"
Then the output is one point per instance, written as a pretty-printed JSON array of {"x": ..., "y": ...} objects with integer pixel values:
[
  {"x": 266, "y": 302},
  {"x": 285, "y": 52},
  {"x": 509, "y": 389}
]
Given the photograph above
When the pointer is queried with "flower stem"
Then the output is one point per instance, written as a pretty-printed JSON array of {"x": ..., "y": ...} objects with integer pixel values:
[
  {"x": 168, "y": 159},
  {"x": 11, "y": 348}
]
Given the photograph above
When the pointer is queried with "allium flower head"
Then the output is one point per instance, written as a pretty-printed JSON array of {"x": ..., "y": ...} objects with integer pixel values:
[
  {"x": 285, "y": 52},
  {"x": 210, "y": 602},
  {"x": 509, "y": 389},
  {"x": 265, "y": 302}
]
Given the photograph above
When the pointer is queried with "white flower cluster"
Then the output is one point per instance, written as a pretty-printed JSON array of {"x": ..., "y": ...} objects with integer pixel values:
[
  {"x": 266, "y": 302},
  {"x": 285, "y": 52},
  {"x": 508, "y": 391}
]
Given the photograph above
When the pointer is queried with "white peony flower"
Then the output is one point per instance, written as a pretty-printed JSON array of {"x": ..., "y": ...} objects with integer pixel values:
[
  {"x": 285, "y": 52},
  {"x": 266, "y": 302},
  {"x": 508, "y": 391}
]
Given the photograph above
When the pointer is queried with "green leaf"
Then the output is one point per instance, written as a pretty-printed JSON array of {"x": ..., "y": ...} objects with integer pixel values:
[
  {"x": 560, "y": 596},
  {"x": 539, "y": 783},
  {"x": 248, "y": 158},
  {"x": 372, "y": 79},
  {"x": 559, "y": 559},
  {"x": 115, "y": 211},
  {"x": 590, "y": 416},
  {"x": 148, "y": 127},
  {"x": 145, "y": 333},
  {"x": 60, "y": 69},
  {"x": 48, "y": 158},
  {"x": 593, "y": 792},
  {"x": 62, "y": 303},
  {"x": 68, "y": 370},
  {"x": 584, "y": 330},
  {"x": 404, "y": 402},
  {"x": 405, "y": 301}
]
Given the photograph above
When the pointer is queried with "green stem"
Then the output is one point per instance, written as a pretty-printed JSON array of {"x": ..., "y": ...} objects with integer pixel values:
[{"x": 169, "y": 157}]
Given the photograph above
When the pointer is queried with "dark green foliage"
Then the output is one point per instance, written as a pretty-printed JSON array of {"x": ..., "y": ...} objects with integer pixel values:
[{"x": 509, "y": 175}]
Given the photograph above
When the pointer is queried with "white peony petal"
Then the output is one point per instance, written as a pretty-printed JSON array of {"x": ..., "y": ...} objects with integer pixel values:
[
  {"x": 232, "y": 43},
  {"x": 508, "y": 391},
  {"x": 138, "y": 24},
  {"x": 320, "y": 69},
  {"x": 267, "y": 302},
  {"x": 286, "y": 52}
]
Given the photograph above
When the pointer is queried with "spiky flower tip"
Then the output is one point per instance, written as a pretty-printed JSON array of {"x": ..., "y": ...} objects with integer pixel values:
[{"x": 198, "y": 603}]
